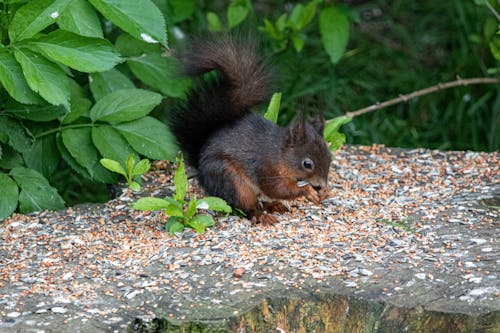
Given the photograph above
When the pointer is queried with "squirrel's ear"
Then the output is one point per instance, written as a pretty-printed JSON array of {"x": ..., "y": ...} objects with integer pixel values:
[
  {"x": 297, "y": 130},
  {"x": 318, "y": 123}
]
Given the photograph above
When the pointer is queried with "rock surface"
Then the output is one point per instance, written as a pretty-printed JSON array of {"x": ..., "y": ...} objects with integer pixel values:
[{"x": 408, "y": 241}]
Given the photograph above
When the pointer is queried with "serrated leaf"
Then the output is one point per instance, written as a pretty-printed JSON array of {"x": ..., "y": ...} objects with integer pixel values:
[
  {"x": 9, "y": 195},
  {"x": 36, "y": 193},
  {"x": 19, "y": 137},
  {"x": 142, "y": 167},
  {"x": 103, "y": 83},
  {"x": 160, "y": 73},
  {"x": 79, "y": 143},
  {"x": 149, "y": 137},
  {"x": 66, "y": 155},
  {"x": 111, "y": 144},
  {"x": 214, "y": 203},
  {"x": 113, "y": 166},
  {"x": 129, "y": 46},
  {"x": 35, "y": 16},
  {"x": 81, "y": 19},
  {"x": 44, "y": 77},
  {"x": 334, "y": 29},
  {"x": 10, "y": 158},
  {"x": 140, "y": 18},
  {"x": 12, "y": 79},
  {"x": 45, "y": 112},
  {"x": 85, "y": 54},
  {"x": 125, "y": 105},
  {"x": 129, "y": 163},
  {"x": 44, "y": 156}
]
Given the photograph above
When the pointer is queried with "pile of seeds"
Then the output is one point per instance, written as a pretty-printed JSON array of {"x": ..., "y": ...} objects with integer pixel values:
[{"x": 429, "y": 212}]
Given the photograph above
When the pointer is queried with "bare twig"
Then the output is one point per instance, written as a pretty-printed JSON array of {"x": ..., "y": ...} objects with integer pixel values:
[
  {"x": 490, "y": 7},
  {"x": 440, "y": 86}
]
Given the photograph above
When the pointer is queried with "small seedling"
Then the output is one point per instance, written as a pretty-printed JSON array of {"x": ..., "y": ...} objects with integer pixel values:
[
  {"x": 403, "y": 224},
  {"x": 182, "y": 212},
  {"x": 133, "y": 169}
]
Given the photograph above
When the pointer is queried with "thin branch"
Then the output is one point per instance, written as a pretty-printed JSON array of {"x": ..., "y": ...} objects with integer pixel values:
[
  {"x": 440, "y": 86},
  {"x": 490, "y": 7}
]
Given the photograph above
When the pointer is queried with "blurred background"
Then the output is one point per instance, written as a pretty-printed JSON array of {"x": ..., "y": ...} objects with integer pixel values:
[{"x": 393, "y": 48}]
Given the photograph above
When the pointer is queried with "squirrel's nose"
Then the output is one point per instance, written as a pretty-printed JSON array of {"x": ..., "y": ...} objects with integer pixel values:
[{"x": 318, "y": 183}]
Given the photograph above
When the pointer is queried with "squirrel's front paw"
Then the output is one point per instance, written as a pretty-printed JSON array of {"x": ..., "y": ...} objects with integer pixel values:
[{"x": 312, "y": 195}]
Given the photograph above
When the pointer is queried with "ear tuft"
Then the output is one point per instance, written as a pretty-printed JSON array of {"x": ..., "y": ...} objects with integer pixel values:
[{"x": 318, "y": 123}]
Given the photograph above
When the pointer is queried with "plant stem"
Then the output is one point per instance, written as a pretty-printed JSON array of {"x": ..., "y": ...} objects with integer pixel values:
[
  {"x": 60, "y": 128},
  {"x": 440, "y": 86},
  {"x": 490, "y": 7}
]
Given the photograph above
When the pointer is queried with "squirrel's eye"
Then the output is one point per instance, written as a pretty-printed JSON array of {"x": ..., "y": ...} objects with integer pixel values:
[{"x": 307, "y": 164}]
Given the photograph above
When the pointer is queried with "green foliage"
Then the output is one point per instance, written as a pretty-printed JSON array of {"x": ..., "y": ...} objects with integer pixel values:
[
  {"x": 274, "y": 108},
  {"x": 182, "y": 212},
  {"x": 73, "y": 93},
  {"x": 131, "y": 171}
]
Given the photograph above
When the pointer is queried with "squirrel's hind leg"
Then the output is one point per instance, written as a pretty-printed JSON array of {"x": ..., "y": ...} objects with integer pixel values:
[{"x": 230, "y": 182}]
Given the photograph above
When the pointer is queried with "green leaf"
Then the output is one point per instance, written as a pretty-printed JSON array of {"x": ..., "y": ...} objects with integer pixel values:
[
  {"x": 134, "y": 186},
  {"x": 113, "y": 166},
  {"x": 213, "y": 203},
  {"x": 44, "y": 156},
  {"x": 333, "y": 126},
  {"x": 160, "y": 73},
  {"x": 66, "y": 155},
  {"x": 214, "y": 23},
  {"x": 110, "y": 143},
  {"x": 36, "y": 193},
  {"x": 44, "y": 77},
  {"x": 81, "y": 19},
  {"x": 334, "y": 29},
  {"x": 191, "y": 208},
  {"x": 45, "y": 112},
  {"x": 80, "y": 104},
  {"x": 181, "y": 9},
  {"x": 129, "y": 46},
  {"x": 9, "y": 195},
  {"x": 85, "y": 54},
  {"x": 150, "y": 203},
  {"x": 200, "y": 223},
  {"x": 35, "y": 16},
  {"x": 495, "y": 47},
  {"x": 180, "y": 180},
  {"x": 130, "y": 163},
  {"x": 79, "y": 144},
  {"x": 142, "y": 167},
  {"x": 149, "y": 137},
  {"x": 12, "y": 79},
  {"x": 204, "y": 219},
  {"x": 274, "y": 108},
  {"x": 125, "y": 105},
  {"x": 18, "y": 136},
  {"x": 336, "y": 141},
  {"x": 103, "y": 83},
  {"x": 140, "y": 18},
  {"x": 237, "y": 12},
  {"x": 174, "y": 224},
  {"x": 303, "y": 15},
  {"x": 298, "y": 43},
  {"x": 174, "y": 209},
  {"x": 10, "y": 158}
]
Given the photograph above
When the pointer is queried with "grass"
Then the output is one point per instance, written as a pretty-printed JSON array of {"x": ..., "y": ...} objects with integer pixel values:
[{"x": 400, "y": 47}]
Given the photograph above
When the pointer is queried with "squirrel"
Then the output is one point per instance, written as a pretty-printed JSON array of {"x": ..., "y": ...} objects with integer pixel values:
[{"x": 239, "y": 155}]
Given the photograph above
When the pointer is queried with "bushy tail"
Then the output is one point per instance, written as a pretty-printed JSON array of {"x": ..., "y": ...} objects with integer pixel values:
[{"x": 215, "y": 103}]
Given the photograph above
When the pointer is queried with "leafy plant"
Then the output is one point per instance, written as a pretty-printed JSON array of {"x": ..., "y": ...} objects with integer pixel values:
[
  {"x": 182, "y": 212},
  {"x": 70, "y": 95},
  {"x": 132, "y": 172}
]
